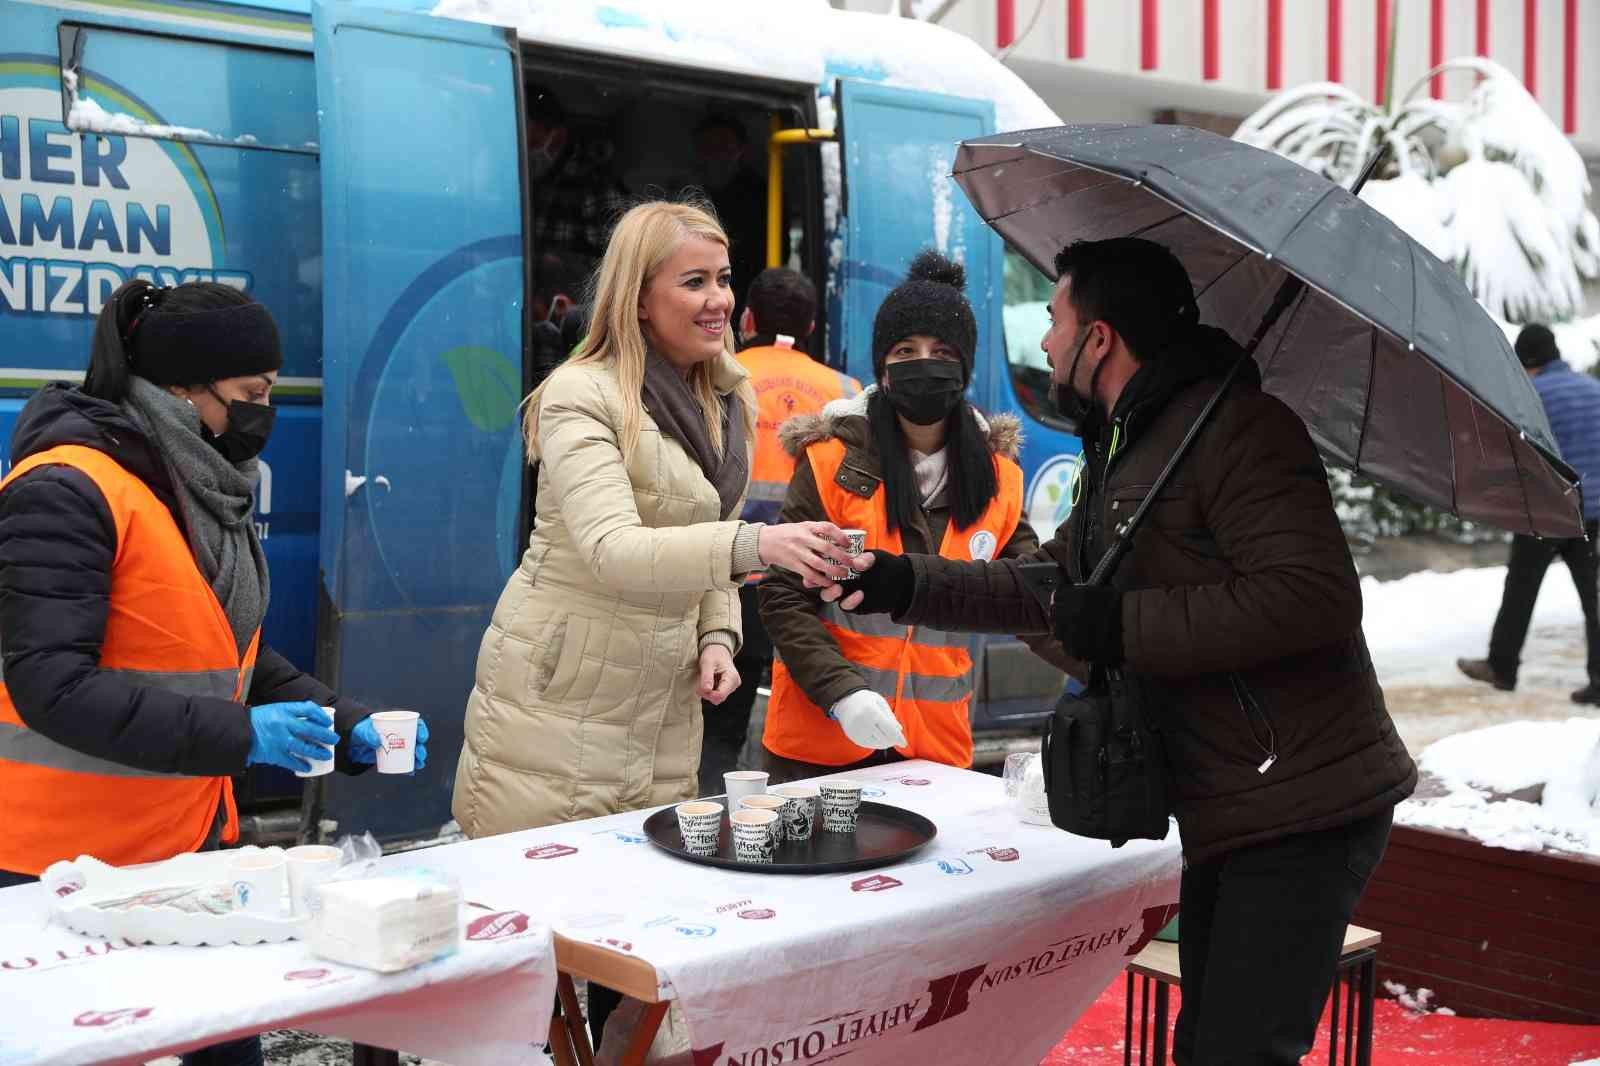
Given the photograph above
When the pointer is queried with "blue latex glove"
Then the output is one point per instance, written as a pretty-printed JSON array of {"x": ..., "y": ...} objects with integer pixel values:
[
  {"x": 364, "y": 742},
  {"x": 289, "y": 735}
]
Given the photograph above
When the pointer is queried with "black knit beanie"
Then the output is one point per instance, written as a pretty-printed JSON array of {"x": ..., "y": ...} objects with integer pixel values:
[
  {"x": 198, "y": 347},
  {"x": 1536, "y": 346},
  {"x": 929, "y": 302}
]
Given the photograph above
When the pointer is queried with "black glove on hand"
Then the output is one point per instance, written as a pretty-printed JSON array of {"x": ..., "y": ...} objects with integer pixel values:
[
  {"x": 887, "y": 585},
  {"x": 1087, "y": 620}
]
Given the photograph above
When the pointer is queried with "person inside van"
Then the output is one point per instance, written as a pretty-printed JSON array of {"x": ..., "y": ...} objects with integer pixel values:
[
  {"x": 575, "y": 199},
  {"x": 737, "y": 192},
  {"x": 910, "y": 462},
  {"x": 132, "y": 592}
]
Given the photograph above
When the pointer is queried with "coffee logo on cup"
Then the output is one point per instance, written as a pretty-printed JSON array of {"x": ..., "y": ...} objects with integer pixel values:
[
  {"x": 550, "y": 851},
  {"x": 241, "y": 893},
  {"x": 394, "y": 742},
  {"x": 758, "y": 914},
  {"x": 98, "y": 1018},
  {"x": 875, "y": 883},
  {"x": 497, "y": 926}
]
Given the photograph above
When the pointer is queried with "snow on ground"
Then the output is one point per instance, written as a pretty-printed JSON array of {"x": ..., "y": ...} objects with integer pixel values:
[{"x": 1482, "y": 744}]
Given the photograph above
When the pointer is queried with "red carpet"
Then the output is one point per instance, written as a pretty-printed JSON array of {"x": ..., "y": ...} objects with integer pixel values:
[{"x": 1400, "y": 1038}]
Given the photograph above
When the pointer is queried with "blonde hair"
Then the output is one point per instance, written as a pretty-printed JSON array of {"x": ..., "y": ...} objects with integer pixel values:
[{"x": 643, "y": 240}]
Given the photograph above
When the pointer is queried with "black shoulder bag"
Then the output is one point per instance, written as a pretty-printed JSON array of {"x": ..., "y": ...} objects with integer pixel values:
[{"x": 1104, "y": 765}]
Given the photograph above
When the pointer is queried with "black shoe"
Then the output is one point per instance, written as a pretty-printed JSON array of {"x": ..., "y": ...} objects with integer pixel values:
[
  {"x": 1480, "y": 670},
  {"x": 1589, "y": 693}
]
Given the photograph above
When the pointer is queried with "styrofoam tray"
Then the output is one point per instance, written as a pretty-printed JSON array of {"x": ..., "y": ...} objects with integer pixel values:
[{"x": 82, "y": 883}]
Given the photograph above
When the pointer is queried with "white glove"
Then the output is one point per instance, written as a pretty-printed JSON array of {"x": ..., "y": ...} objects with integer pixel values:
[{"x": 867, "y": 720}]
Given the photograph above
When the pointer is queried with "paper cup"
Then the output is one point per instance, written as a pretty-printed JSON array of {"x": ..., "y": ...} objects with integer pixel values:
[
  {"x": 397, "y": 736},
  {"x": 752, "y": 835},
  {"x": 799, "y": 810},
  {"x": 775, "y": 804},
  {"x": 309, "y": 865},
  {"x": 858, "y": 544},
  {"x": 700, "y": 822},
  {"x": 841, "y": 803},
  {"x": 256, "y": 878},
  {"x": 321, "y": 766},
  {"x": 742, "y": 783}
]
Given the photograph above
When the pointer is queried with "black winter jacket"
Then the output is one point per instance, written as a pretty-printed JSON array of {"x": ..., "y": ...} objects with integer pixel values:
[{"x": 57, "y": 543}]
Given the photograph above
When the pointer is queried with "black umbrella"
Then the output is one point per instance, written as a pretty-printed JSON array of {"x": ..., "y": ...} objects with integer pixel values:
[{"x": 1397, "y": 371}]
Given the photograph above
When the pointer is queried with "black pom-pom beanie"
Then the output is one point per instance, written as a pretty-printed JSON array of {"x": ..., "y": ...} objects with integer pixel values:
[{"x": 931, "y": 302}]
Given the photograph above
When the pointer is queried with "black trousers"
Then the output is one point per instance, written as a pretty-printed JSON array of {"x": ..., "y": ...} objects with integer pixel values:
[
  {"x": 726, "y": 726},
  {"x": 1530, "y": 558},
  {"x": 1260, "y": 930}
]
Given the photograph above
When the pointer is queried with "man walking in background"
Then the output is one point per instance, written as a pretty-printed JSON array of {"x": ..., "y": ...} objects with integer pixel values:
[
  {"x": 779, "y": 315},
  {"x": 1572, "y": 403}
]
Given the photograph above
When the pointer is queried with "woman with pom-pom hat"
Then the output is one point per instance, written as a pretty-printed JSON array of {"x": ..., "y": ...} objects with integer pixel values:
[{"x": 918, "y": 469}]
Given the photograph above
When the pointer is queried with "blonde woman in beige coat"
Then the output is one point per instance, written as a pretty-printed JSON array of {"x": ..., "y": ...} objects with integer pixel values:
[{"x": 624, "y": 612}]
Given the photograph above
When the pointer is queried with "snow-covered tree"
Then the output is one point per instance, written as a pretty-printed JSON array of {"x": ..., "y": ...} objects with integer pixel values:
[{"x": 1488, "y": 183}]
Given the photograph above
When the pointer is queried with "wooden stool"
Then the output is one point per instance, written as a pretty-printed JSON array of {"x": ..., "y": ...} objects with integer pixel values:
[{"x": 1157, "y": 964}]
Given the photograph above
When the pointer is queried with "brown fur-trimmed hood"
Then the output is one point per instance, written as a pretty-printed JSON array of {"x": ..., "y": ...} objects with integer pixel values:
[{"x": 846, "y": 420}]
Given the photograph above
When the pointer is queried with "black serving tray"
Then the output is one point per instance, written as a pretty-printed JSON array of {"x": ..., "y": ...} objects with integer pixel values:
[{"x": 884, "y": 835}]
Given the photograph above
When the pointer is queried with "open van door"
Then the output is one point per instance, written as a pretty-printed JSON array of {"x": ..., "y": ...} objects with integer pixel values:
[
  {"x": 423, "y": 235},
  {"x": 897, "y": 149}
]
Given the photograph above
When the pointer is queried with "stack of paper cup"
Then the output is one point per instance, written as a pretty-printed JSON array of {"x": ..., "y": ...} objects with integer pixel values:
[{"x": 397, "y": 737}]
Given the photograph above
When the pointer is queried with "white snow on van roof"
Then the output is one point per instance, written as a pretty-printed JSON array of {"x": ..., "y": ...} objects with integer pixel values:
[{"x": 803, "y": 41}]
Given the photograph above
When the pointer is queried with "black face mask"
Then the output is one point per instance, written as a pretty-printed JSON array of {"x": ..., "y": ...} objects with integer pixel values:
[
  {"x": 249, "y": 426},
  {"x": 925, "y": 391},
  {"x": 1069, "y": 404}
]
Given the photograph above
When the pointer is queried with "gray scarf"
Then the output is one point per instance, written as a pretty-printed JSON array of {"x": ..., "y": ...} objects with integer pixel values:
[
  {"x": 217, "y": 501},
  {"x": 677, "y": 411}
]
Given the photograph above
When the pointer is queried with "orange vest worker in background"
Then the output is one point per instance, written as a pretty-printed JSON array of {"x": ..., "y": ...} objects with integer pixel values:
[{"x": 779, "y": 315}]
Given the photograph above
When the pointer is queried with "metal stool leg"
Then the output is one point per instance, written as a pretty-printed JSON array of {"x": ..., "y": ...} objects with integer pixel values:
[
  {"x": 1144, "y": 1019},
  {"x": 1350, "y": 1020},
  {"x": 1333, "y": 1019},
  {"x": 1162, "y": 992},
  {"x": 1127, "y": 1024},
  {"x": 1369, "y": 992}
]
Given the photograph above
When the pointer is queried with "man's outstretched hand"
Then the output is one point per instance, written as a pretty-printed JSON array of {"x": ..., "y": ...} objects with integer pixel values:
[{"x": 884, "y": 587}]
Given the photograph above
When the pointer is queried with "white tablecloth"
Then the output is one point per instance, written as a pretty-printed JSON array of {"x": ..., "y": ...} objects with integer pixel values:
[
  {"x": 988, "y": 944},
  {"x": 66, "y": 998}
]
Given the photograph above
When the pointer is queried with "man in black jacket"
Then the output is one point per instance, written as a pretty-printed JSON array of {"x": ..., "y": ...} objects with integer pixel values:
[{"x": 1239, "y": 609}]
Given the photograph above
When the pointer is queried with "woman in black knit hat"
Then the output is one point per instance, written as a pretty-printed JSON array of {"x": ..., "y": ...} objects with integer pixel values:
[
  {"x": 909, "y": 463},
  {"x": 132, "y": 592}
]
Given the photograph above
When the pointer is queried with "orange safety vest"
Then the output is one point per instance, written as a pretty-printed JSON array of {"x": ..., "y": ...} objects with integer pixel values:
[
  {"x": 787, "y": 383},
  {"x": 925, "y": 674},
  {"x": 164, "y": 629}
]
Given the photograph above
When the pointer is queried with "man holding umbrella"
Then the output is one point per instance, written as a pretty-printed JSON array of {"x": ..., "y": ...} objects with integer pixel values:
[{"x": 1239, "y": 606}]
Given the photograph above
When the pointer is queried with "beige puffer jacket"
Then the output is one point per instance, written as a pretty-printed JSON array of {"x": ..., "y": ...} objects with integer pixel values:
[{"x": 585, "y": 700}]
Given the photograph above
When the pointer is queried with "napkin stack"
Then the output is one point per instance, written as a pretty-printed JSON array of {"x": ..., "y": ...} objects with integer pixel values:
[{"x": 386, "y": 923}]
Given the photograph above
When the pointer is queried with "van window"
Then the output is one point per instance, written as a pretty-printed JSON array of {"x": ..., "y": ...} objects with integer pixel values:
[
  {"x": 231, "y": 94},
  {"x": 1027, "y": 299}
]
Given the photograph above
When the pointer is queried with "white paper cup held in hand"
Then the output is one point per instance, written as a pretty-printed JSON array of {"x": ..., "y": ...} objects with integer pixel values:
[
  {"x": 841, "y": 804},
  {"x": 799, "y": 810},
  {"x": 309, "y": 865},
  {"x": 397, "y": 741},
  {"x": 700, "y": 822},
  {"x": 771, "y": 803},
  {"x": 257, "y": 881},
  {"x": 321, "y": 766},
  {"x": 752, "y": 835},
  {"x": 742, "y": 783},
  {"x": 858, "y": 544}
]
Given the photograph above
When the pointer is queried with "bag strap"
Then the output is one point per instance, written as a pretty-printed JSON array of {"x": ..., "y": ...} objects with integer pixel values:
[{"x": 1287, "y": 292}]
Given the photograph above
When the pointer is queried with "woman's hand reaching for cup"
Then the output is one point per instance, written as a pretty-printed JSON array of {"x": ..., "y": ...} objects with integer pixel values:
[{"x": 818, "y": 551}]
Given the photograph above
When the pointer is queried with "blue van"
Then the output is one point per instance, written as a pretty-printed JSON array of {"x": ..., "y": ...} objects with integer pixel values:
[{"x": 365, "y": 172}]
